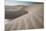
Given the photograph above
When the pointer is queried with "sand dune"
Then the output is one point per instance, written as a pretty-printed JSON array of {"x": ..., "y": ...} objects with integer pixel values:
[{"x": 32, "y": 20}]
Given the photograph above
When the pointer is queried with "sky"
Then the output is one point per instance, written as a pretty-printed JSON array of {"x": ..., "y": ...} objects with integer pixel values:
[{"x": 16, "y": 2}]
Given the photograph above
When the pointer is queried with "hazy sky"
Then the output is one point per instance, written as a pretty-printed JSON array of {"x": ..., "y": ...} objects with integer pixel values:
[{"x": 14, "y": 2}]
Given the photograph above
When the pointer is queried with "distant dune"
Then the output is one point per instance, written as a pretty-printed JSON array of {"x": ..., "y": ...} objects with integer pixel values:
[{"x": 12, "y": 12}]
